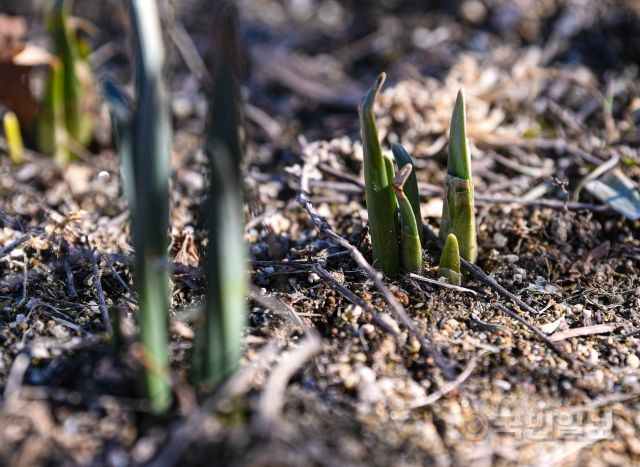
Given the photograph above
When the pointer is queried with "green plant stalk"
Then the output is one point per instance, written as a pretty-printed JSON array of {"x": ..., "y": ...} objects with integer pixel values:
[
  {"x": 150, "y": 159},
  {"x": 391, "y": 176},
  {"x": 410, "y": 245},
  {"x": 218, "y": 340},
  {"x": 14, "y": 137},
  {"x": 219, "y": 335},
  {"x": 403, "y": 158},
  {"x": 458, "y": 215},
  {"x": 51, "y": 129},
  {"x": 381, "y": 205},
  {"x": 79, "y": 123},
  {"x": 449, "y": 267}
]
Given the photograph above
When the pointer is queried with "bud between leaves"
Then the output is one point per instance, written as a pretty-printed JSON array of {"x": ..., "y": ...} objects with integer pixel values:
[{"x": 449, "y": 267}]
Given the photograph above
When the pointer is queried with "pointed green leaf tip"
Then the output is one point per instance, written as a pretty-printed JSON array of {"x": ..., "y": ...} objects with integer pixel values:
[
  {"x": 459, "y": 161},
  {"x": 410, "y": 247},
  {"x": 378, "y": 178},
  {"x": 450, "y": 257},
  {"x": 403, "y": 158},
  {"x": 450, "y": 260}
]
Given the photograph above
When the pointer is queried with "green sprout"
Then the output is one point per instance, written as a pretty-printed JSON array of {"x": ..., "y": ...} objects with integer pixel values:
[
  {"x": 410, "y": 246},
  {"x": 403, "y": 158},
  {"x": 449, "y": 267},
  {"x": 52, "y": 131},
  {"x": 14, "y": 137},
  {"x": 458, "y": 209},
  {"x": 66, "y": 122},
  {"x": 381, "y": 203},
  {"x": 143, "y": 139},
  {"x": 218, "y": 337}
]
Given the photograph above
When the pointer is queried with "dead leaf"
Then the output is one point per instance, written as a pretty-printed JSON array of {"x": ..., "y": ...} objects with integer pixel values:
[
  {"x": 17, "y": 58},
  {"x": 550, "y": 328},
  {"x": 618, "y": 191},
  {"x": 183, "y": 245}
]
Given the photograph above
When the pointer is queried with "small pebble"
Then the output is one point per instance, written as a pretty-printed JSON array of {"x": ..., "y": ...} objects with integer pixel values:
[
  {"x": 103, "y": 176},
  {"x": 500, "y": 240},
  {"x": 633, "y": 361}
]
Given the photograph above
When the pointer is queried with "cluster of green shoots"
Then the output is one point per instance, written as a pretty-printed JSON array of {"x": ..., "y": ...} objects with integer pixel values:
[
  {"x": 393, "y": 203},
  {"x": 66, "y": 123},
  {"x": 143, "y": 139}
]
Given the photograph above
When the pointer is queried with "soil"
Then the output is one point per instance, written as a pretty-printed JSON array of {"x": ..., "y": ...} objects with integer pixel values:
[{"x": 552, "y": 93}]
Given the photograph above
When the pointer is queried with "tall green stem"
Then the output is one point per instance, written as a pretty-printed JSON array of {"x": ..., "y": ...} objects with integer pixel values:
[
  {"x": 150, "y": 164},
  {"x": 381, "y": 205},
  {"x": 458, "y": 215},
  {"x": 218, "y": 342}
]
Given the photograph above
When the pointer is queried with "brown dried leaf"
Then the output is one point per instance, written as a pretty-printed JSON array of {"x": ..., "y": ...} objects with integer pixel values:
[
  {"x": 17, "y": 58},
  {"x": 183, "y": 245}
]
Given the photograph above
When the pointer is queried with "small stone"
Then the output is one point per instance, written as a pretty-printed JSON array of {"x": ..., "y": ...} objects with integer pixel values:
[
  {"x": 103, "y": 176},
  {"x": 633, "y": 361},
  {"x": 60, "y": 332},
  {"x": 473, "y": 11},
  {"x": 367, "y": 329},
  {"x": 504, "y": 385},
  {"x": 500, "y": 240}
]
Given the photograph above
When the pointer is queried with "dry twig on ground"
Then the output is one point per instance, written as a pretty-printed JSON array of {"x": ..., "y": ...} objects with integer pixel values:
[{"x": 426, "y": 346}]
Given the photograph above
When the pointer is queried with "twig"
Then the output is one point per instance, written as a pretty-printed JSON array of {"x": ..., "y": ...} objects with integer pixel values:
[
  {"x": 478, "y": 274},
  {"x": 4, "y": 251},
  {"x": 69, "y": 273},
  {"x": 450, "y": 386},
  {"x": 425, "y": 345},
  {"x": 102, "y": 305},
  {"x": 344, "y": 174},
  {"x": 189, "y": 54},
  {"x": 597, "y": 172},
  {"x": 602, "y": 402},
  {"x": 185, "y": 432},
  {"x": 272, "y": 398},
  {"x": 25, "y": 280},
  {"x": 541, "y": 335},
  {"x": 545, "y": 203},
  {"x": 353, "y": 298},
  {"x": 481, "y": 198},
  {"x": 584, "y": 331},
  {"x": 444, "y": 285},
  {"x": 280, "y": 307},
  {"x": 16, "y": 376},
  {"x": 116, "y": 274}
]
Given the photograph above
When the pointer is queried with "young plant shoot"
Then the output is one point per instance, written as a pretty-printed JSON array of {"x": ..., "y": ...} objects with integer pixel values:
[
  {"x": 14, "y": 137},
  {"x": 144, "y": 140},
  {"x": 218, "y": 336},
  {"x": 410, "y": 246},
  {"x": 458, "y": 215},
  {"x": 403, "y": 158},
  {"x": 450, "y": 261},
  {"x": 66, "y": 123},
  {"x": 381, "y": 203}
]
